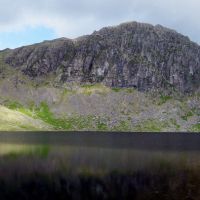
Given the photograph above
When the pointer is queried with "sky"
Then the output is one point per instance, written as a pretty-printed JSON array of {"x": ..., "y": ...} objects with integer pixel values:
[{"x": 24, "y": 22}]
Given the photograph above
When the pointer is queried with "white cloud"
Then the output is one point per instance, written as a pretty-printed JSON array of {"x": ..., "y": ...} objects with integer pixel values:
[{"x": 72, "y": 18}]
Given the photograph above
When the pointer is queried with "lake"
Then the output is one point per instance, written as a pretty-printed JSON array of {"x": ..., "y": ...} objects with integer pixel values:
[{"x": 96, "y": 165}]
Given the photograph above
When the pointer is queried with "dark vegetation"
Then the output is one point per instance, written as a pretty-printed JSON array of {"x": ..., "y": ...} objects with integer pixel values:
[{"x": 165, "y": 182}]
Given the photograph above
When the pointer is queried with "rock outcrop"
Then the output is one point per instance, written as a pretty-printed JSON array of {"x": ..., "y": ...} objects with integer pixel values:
[{"x": 132, "y": 54}]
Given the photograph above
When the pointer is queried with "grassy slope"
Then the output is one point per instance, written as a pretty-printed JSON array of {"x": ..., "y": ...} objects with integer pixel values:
[
  {"x": 162, "y": 113},
  {"x": 11, "y": 120}
]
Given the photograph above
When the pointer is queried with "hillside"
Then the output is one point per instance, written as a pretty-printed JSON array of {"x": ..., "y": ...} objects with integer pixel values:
[
  {"x": 132, "y": 77},
  {"x": 11, "y": 120}
]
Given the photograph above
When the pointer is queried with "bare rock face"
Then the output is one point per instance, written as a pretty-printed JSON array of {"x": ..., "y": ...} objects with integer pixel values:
[
  {"x": 40, "y": 59},
  {"x": 133, "y": 54}
]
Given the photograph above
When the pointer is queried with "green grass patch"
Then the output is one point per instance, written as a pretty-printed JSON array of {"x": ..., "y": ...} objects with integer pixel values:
[
  {"x": 151, "y": 126},
  {"x": 116, "y": 89},
  {"x": 196, "y": 128},
  {"x": 101, "y": 126},
  {"x": 174, "y": 123},
  {"x": 187, "y": 115},
  {"x": 123, "y": 126},
  {"x": 163, "y": 99},
  {"x": 43, "y": 112},
  {"x": 127, "y": 90},
  {"x": 89, "y": 89},
  {"x": 80, "y": 122},
  {"x": 13, "y": 105},
  {"x": 69, "y": 123},
  {"x": 130, "y": 90}
]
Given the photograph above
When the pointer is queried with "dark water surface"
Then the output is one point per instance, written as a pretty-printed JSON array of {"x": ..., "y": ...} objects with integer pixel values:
[
  {"x": 140, "y": 141},
  {"x": 95, "y": 165},
  {"x": 103, "y": 151}
]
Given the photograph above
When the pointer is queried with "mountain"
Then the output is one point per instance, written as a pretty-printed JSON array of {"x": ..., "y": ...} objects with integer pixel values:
[
  {"x": 131, "y": 73},
  {"x": 129, "y": 55}
]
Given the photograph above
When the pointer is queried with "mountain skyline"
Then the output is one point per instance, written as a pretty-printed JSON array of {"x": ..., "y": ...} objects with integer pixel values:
[{"x": 28, "y": 22}]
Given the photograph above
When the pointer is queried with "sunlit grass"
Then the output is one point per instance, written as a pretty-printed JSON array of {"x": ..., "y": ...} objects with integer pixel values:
[
  {"x": 196, "y": 127},
  {"x": 93, "y": 89},
  {"x": 13, "y": 120},
  {"x": 151, "y": 126}
]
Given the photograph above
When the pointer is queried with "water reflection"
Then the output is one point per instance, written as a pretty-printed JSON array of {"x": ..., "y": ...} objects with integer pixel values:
[
  {"x": 150, "y": 166},
  {"x": 103, "y": 151}
]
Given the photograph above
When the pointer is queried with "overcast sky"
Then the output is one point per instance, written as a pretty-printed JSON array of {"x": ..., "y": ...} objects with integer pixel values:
[{"x": 29, "y": 21}]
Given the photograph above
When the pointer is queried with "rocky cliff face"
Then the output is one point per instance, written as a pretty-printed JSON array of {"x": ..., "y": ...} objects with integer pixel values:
[{"x": 133, "y": 54}]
